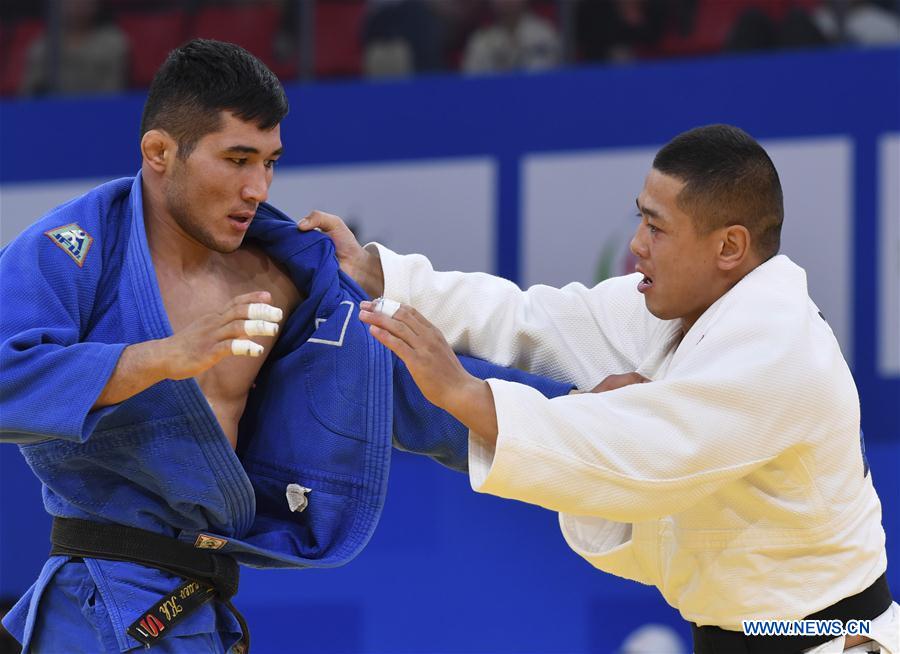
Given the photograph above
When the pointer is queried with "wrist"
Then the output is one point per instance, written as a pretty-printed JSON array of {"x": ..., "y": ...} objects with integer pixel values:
[
  {"x": 140, "y": 366},
  {"x": 473, "y": 405},
  {"x": 157, "y": 358},
  {"x": 467, "y": 395},
  {"x": 370, "y": 274}
]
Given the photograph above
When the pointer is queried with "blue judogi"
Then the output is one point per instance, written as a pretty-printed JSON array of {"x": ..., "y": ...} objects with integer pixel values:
[{"x": 79, "y": 286}]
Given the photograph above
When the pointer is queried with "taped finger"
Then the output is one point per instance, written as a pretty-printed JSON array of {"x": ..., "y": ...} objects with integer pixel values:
[
  {"x": 264, "y": 312},
  {"x": 386, "y": 306},
  {"x": 260, "y": 328},
  {"x": 241, "y": 347}
]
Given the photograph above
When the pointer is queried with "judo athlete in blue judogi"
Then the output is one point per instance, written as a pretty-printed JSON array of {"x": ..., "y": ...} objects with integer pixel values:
[{"x": 186, "y": 374}]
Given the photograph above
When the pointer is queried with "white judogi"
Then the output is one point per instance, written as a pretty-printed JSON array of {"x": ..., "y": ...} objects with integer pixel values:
[{"x": 734, "y": 482}]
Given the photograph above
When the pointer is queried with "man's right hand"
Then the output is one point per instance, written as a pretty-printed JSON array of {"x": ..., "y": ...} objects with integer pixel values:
[
  {"x": 195, "y": 348},
  {"x": 363, "y": 265},
  {"x": 209, "y": 339}
]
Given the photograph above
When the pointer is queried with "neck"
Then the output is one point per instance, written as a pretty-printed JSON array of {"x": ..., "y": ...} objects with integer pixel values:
[
  {"x": 170, "y": 246},
  {"x": 726, "y": 284}
]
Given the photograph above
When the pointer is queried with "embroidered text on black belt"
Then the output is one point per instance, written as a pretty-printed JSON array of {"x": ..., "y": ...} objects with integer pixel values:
[{"x": 208, "y": 574}]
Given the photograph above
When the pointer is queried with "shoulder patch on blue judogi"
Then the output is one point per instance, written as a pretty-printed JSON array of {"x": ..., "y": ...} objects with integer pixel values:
[{"x": 73, "y": 240}]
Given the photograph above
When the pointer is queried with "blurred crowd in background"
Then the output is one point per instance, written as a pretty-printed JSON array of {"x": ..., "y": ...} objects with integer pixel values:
[{"x": 91, "y": 46}]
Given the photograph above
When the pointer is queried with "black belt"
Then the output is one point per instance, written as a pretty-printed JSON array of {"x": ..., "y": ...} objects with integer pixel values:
[
  {"x": 208, "y": 574},
  {"x": 868, "y": 604}
]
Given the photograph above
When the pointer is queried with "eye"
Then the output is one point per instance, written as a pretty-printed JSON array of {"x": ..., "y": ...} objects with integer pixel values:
[
  {"x": 238, "y": 161},
  {"x": 270, "y": 163},
  {"x": 652, "y": 228}
]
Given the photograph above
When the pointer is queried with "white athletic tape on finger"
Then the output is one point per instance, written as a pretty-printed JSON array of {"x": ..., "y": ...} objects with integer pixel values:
[
  {"x": 264, "y": 312},
  {"x": 260, "y": 328},
  {"x": 241, "y": 347},
  {"x": 386, "y": 306}
]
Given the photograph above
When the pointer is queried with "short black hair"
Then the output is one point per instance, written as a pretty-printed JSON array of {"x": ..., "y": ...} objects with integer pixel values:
[
  {"x": 201, "y": 79},
  {"x": 728, "y": 180}
]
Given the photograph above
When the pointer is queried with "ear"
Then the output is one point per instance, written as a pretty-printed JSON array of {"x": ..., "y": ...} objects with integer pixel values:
[
  {"x": 734, "y": 247},
  {"x": 158, "y": 150}
]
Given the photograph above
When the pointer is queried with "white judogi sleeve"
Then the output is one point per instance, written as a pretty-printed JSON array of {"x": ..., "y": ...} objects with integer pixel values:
[
  {"x": 634, "y": 454},
  {"x": 574, "y": 334}
]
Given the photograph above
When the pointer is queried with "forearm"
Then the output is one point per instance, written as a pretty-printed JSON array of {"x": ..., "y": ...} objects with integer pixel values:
[
  {"x": 140, "y": 366},
  {"x": 473, "y": 405}
]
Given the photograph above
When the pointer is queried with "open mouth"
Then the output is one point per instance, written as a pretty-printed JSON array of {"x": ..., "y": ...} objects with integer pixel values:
[
  {"x": 241, "y": 222},
  {"x": 645, "y": 284}
]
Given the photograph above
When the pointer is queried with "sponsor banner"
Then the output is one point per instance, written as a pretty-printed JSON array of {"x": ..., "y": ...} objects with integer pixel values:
[
  {"x": 579, "y": 216},
  {"x": 442, "y": 208},
  {"x": 889, "y": 256}
]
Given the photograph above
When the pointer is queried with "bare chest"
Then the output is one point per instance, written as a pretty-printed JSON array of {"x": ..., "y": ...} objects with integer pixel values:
[{"x": 227, "y": 383}]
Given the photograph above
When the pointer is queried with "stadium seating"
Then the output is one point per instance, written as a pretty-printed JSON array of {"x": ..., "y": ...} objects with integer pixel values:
[
  {"x": 15, "y": 52},
  {"x": 338, "y": 50},
  {"x": 151, "y": 35}
]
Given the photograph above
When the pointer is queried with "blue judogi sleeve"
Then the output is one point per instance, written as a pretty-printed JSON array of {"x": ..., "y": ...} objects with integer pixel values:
[
  {"x": 422, "y": 428},
  {"x": 50, "y": 380}
]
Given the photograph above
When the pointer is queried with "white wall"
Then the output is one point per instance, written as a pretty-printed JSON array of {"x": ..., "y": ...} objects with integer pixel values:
[{"x": 889, "y": 246}]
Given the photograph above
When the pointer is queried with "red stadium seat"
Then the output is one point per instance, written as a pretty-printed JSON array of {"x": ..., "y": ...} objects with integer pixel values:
[
  {"x": 338, "y": 38},
  {"x": 712, "y": 21},
  {"x": 251, "y": 26},
  {"x": 15, "y": 54},
  {"x": 549, "y": 11},
  {"x": 151, "y": 36}
]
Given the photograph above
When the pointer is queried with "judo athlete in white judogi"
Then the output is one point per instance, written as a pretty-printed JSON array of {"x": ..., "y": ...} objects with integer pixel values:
[{"x": 733, "y": 480}]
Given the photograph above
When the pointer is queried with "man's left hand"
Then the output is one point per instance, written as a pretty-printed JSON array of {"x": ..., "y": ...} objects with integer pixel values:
[{"x": 433, "y": 366}]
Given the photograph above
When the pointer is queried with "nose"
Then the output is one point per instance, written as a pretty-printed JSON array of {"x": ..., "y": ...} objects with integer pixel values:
[
  {"x": 638, "y": 245},
  {"x": 256, "y": 185}
]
